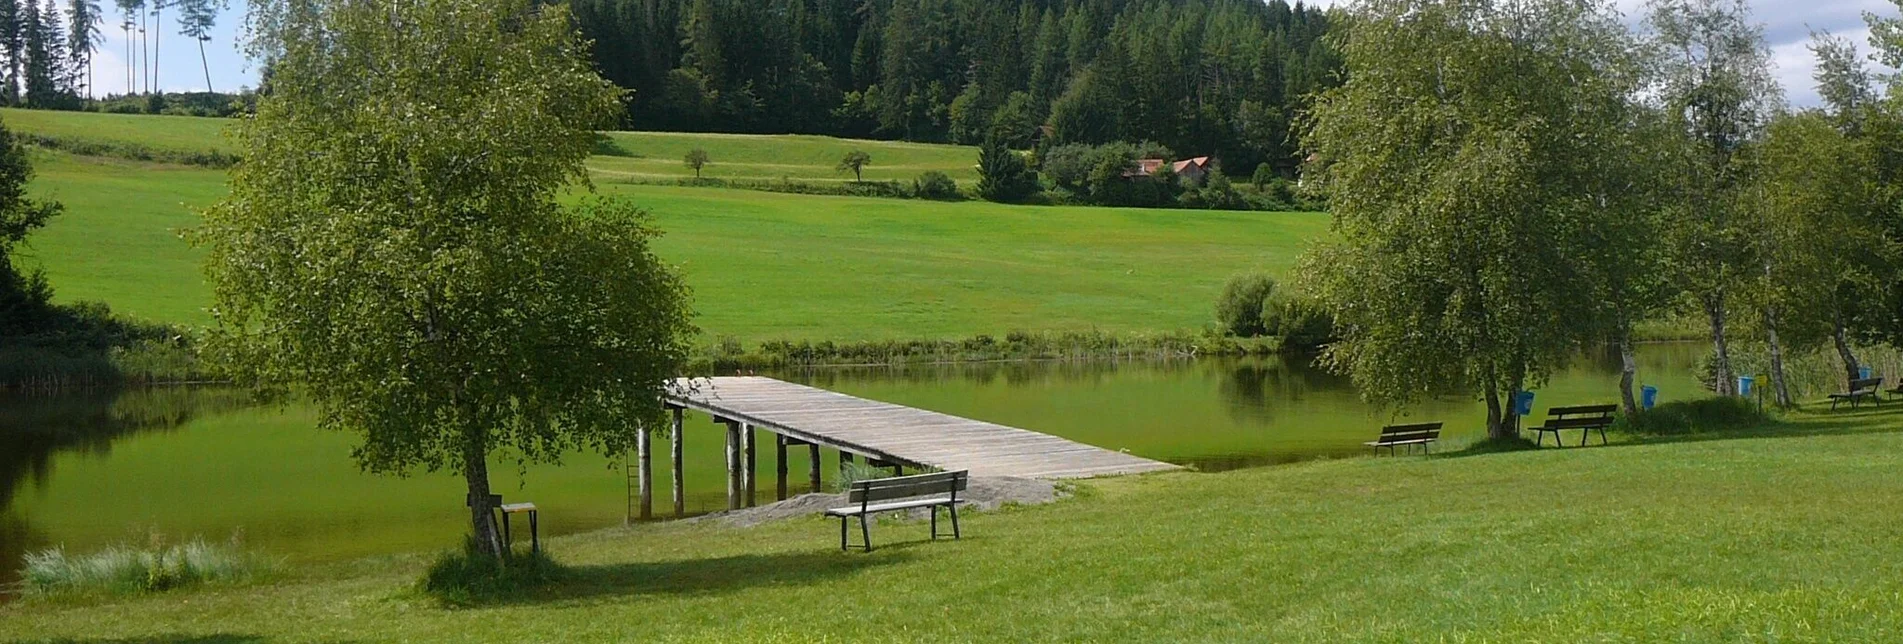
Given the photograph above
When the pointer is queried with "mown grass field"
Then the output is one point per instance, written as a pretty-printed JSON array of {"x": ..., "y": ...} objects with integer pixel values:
[
  {"x": 640, "y": 156},
  {"x": 1785, "y": 534},
  {"x": 762, "y": 265}
]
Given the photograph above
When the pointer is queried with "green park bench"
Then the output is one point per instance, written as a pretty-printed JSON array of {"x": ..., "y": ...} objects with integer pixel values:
[
  {"x": 1584, "y": 418},
  {"x": 1392, "y": 436},
  {"x": 935, "y": 490}
]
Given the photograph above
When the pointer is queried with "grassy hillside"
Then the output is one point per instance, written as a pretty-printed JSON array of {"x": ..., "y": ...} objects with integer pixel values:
[
  {"x": 174, "y": 133},
  {"x": 639, "y": 156},
  {"x": 652, "y": 155},
  {"x": 762, "y": 265},
  {"x": 1788, "y": 535}
]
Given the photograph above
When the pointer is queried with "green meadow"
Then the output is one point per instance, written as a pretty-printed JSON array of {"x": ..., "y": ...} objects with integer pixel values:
[
  {"x": 1785, "y": 533},
  {"x": 762, "y": 265}
]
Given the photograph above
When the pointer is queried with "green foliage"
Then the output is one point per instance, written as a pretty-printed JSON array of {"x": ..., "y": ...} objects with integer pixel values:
[
  {"x": 125, "y": 569},
  {"x": 856, "y": 162},
  {"x": 1717, "y": 90},
  {"x": 1239, "y": 308},
  {"x": 935, "y": 185},
  {"x": 1465, "y": 259},
  {"x": 24, "y": 297},
  {"x": 1263, "y": 177},
  {"x": 1002, "y": 174},
  {"x": 1015, "y": 123},
  {"x": 473, "y": 576},
  {"x": 85, "y": 345},
  {"x": 1213, "y": 76},
  {"x": 394, "y": 245},
  {"x": 1705, "y": 415},
  {"x": 1301, "y": 323}
]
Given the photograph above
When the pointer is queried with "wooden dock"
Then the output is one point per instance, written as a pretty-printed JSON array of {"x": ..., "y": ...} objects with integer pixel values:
[{"x": 885, "y": 434}]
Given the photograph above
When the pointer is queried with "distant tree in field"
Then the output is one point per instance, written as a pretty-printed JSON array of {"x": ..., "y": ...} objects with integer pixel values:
[
  {"x": 196, "y": 18},
  {"x": 1460, "y": 191},
  {"x": 23, "y": 296},
  {"x": 83, "y": 37},
  {"x": 1002, "y": 174},
  {"x": 696, "y": 159},
  {"x": 1716, "y": 87},
  {"x": 394, "y": 244},
  {"x": 855, "y": 161}
]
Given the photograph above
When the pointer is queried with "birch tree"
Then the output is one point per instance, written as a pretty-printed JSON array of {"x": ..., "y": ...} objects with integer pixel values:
[
  {"x": 392, "y": 243},
  {"x": 1462, "y": 160},
  {"x": 1715, "y": 85}
]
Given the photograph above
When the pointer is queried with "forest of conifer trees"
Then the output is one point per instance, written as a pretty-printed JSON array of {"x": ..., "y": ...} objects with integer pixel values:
[{"x": 1221, "y": 77}]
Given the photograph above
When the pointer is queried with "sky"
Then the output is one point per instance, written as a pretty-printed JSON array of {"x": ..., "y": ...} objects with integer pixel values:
[{"x": 1787, "y": 26}]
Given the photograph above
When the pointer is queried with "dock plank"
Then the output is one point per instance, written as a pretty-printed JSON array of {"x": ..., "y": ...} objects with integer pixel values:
[{"x": 898, "y": 433}]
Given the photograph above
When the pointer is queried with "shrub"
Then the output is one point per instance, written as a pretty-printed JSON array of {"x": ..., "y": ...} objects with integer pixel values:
[
  {"x": 1264, "y": 175},
  {"x": 474, "y": 576},
  {"x": 1693, "y": 417},
  {"x": 1302, "y": 323},
  {"x": 1002, "y": 174},
  {"x": 122, "y": 569},
  {"x": 1239, "y": 308},
  {"x": 935, "y": 185},
  {"x": 1068, "y": 166}
]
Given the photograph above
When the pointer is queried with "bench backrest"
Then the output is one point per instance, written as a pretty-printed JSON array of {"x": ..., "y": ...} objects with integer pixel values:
[
  {"x": 905, "y": 487},
  {"x": 1865, "y": 383},
  {"x": 1404, "y": 433},
  {"x": 1581, "y": 410}
]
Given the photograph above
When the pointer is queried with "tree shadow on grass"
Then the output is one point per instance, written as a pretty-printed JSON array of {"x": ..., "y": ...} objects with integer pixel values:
[{"x": 698, "y": 576}]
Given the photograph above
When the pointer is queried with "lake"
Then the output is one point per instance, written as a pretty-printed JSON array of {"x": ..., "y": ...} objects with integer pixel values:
[{"x": 87, "y": 470}]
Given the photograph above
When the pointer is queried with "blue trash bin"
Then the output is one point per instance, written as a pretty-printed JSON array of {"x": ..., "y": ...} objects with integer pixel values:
[
  {"x": 1863, "y": 373},
  {"x": 1744, "y": 385},
  {"x": 1523, "y": 403},
  {"x": 1648, "y": 397}
]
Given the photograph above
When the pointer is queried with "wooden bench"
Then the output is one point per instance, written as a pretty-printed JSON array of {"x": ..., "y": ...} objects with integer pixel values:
[
  {"x": 1584, "y": 418},
  {"x": 535, "y": 531},
  {"x": 508, "y": 510},
  {"x": 1859, "y": 388},
  {"x": 871, "y": 497},
  {"x": 1392, "y": 436}
]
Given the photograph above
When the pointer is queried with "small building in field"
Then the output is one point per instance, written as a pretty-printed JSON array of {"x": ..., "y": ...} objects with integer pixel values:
[{"x": 1189, "y": 171}]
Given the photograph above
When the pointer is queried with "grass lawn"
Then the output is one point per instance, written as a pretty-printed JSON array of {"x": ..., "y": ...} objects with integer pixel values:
[
  {"x": 804, "y": 158},
  {"x": 762, "y": 265},
  {"x": 1786, "y": 535}
]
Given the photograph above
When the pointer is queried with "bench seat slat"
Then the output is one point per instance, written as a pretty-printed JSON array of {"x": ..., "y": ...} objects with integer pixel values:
[
  {"x": 1415, "y": 441},
  {"x": 1576, "y": 423},
  {"x": 853, "y": 511}
]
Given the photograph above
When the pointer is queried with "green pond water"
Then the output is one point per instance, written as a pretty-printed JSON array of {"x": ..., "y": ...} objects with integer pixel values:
[{"x": 88, "y": 470}]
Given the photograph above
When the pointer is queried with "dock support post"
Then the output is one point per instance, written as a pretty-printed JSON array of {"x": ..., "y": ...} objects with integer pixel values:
[
  {"x": 644, "y": 453},
  {"x": 733, "y": 465},
  {"x": 779, "y": 448},
  {"x": 812, "y": 465},
  {"x": 680, "y": 497},
  {"x": 751, "y": 473}
]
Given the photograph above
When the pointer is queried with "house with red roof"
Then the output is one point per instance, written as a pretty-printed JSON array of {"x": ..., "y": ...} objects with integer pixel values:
[{"x": 1190, "y": 171}]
